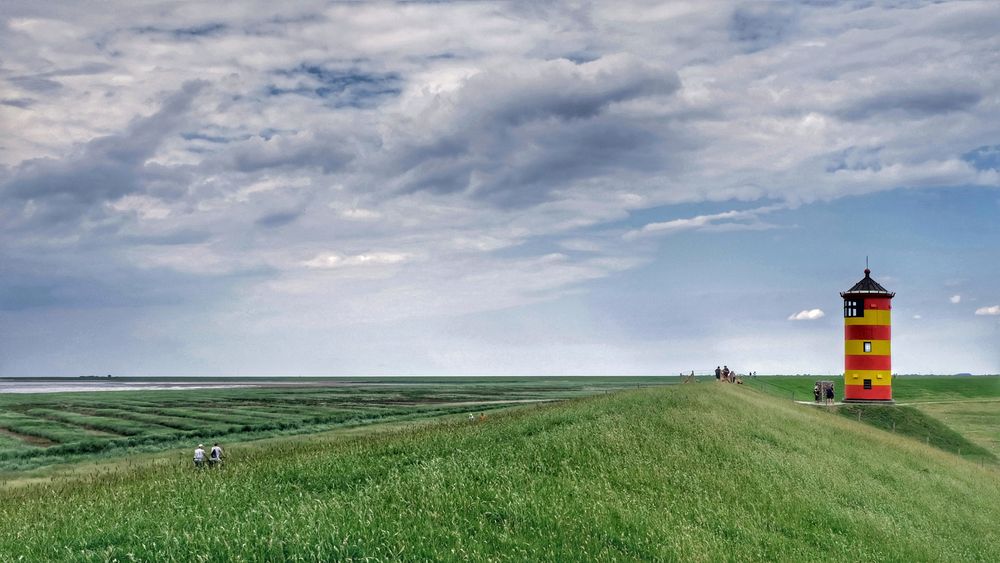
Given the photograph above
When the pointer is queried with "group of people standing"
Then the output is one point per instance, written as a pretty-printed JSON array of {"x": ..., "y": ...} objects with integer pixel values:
[
  {"x": 729, "y": 376},
  {"x": 214, "y": 457},
  {"x": 824, "y": 392}
]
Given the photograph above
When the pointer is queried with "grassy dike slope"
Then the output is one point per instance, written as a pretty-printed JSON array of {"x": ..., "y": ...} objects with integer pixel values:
[{"x": 693, "y": 472}]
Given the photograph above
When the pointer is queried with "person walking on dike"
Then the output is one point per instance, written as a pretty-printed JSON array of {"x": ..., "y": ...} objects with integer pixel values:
[
  {"x": 829, "y": 395},
  {"x": 725, "y": 373},
  {"x": 816, "y": 392},
  {"x": 718, "y": 373},
  {"x": 199, "y": 456},
  {"x": 215, "y": 456}
]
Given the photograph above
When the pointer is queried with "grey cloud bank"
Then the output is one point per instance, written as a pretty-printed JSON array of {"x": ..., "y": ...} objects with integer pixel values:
[{"x": 198, "y": 180}]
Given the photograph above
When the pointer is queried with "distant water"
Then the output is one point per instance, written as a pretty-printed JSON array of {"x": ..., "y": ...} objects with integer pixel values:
[{"x": 85, "y": 385}]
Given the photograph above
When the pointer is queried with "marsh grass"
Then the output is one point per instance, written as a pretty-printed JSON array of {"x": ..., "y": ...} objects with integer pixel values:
[{"x": 44, "y": 429}]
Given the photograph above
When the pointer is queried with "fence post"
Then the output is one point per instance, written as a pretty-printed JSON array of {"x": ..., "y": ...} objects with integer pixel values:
[
  {"x": 893, "y": 426},
  {"x": 859, "y": 415}
]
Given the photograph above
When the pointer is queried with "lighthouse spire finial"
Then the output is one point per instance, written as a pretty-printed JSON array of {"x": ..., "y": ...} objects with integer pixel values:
[{"x": 867, "y": 271}]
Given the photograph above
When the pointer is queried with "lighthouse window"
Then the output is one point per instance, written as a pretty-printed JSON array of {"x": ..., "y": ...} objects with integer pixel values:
[
  {"x": 854, "y": 308},
  {"x": 868, "y": 384},
  {"x": 868, "y": 347}
]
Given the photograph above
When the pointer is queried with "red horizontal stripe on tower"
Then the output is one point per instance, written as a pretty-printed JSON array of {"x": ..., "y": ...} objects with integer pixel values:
[
  {"x": 867, "y": 332},
  {"x": 867, "y": 362},
  {"x": 878, "y": 303},
  {"x": 876, "y": 393}
]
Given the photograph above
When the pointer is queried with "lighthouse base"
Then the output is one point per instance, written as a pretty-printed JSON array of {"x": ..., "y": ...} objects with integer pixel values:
[
  {"x": 876, "y": 393},
  {"x": 870, "y": 401}
]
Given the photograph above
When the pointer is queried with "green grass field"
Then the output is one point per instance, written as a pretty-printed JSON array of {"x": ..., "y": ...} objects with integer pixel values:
[
  {"x": 44, "y": 429},
  {"x": 959, "y": 414},
  {"x": 905, "y": 389},
  {"x": 978, "y": 421},
  {"x": 689, "y": 472}
]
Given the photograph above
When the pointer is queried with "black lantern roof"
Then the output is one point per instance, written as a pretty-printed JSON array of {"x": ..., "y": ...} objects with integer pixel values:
[{"x": 868, "y": 287}]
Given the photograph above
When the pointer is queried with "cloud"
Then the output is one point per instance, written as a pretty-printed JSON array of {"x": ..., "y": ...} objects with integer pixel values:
[
  {"x": 277, "y": 219},
  {"x": 512, "y": 134},
  {"x": 807, "y": 315},
  {"x": 22, "y": 103},
  {"x": 581, "y": 245},
  {"x": 330, "y": 260},
  {"x": 914, "y": 103},
  {"x": 758, "y": 26},
  {"x": 746, "y": 220},
  {"x": 360, "y": 214},
  {"x": 955, "y": 299},
  {"x": 504, "y": 153},
  {"x": 337, "y": 87},
  {"x": 993, "y": 310},
  {"x": 37, "y": 84},
  {"x": 101, "y": 170},
  {"x": 290, "y": 150}
]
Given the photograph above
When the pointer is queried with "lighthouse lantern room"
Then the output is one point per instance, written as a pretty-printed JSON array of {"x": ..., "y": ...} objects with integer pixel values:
[{"x": 867, "y": 356}]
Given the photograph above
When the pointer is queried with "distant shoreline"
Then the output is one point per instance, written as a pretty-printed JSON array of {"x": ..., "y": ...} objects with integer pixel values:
[{"x": 89, "y": 384}]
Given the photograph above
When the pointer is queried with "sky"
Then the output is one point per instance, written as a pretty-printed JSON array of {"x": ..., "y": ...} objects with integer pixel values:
[{"x": 324, "y": 188}]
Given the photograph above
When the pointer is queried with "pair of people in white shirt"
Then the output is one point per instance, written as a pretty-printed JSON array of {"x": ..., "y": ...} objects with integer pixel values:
[{"x": 214, "y": 457}]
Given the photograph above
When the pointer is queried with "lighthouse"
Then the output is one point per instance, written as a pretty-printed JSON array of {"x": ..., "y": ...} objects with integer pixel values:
[{"x": 867, "y": 355}]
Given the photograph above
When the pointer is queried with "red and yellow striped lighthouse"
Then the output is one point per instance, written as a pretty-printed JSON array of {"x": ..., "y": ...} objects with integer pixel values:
[{"x": 867, "y": 355}]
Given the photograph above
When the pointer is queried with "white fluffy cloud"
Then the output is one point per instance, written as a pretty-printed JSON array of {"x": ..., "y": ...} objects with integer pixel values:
[
  {"x": 992, "y": 310},
  {"x": 807, "y": 315},
  {"x": 725, "y": 221},
  {"x": 330, "y": 260}
]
